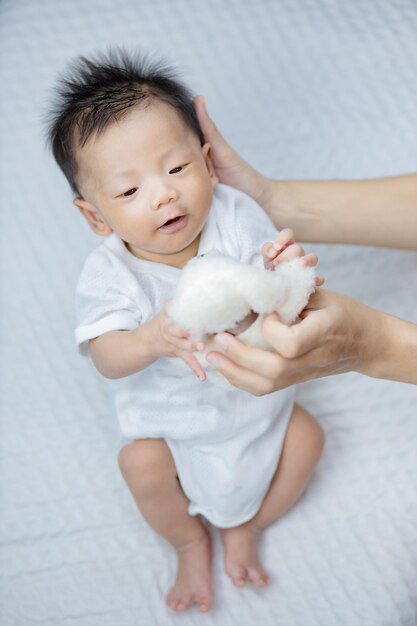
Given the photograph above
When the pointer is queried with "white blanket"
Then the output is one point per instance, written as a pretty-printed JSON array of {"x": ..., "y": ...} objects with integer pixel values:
[{"x": 302, "y": 89}]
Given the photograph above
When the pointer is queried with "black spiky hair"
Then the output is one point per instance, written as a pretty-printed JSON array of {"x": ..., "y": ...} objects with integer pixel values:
[{"x": 98, "y": 91}]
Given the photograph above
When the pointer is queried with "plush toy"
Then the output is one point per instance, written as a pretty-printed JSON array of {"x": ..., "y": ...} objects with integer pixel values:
[{"x": 216, "y": 293}]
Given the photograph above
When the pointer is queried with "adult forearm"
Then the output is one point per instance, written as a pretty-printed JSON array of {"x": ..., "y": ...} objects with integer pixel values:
[
  {"x": 121, "y": 353},
  {"x": 378, "y": 212},
  {"x": 395, "y": 358}
]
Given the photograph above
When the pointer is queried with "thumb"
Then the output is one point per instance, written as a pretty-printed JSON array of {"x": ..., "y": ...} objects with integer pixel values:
[
  {"x": 212, "y": 135},
  {"x": 206, "y": 123},
  {"x": 292, "y": 341}
]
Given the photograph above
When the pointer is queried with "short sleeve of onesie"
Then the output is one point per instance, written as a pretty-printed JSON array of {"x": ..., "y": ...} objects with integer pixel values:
[{"x": 106, "y": 297}]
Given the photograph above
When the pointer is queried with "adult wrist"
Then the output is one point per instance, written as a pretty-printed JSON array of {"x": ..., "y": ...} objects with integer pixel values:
[
  {"x": 397, "y": 357},
  {"x": 280, "y": 201},
  {"x": 392, "y": 350},
  {"x": 374, "y": 343},
  {"x": 263, "y": 195}
]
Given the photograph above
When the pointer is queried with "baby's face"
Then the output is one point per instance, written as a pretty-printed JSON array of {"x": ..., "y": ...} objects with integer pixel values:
[{"x": 148, "y": 179}]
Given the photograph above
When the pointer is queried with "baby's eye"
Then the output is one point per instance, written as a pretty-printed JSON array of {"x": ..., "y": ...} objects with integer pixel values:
[
  {"x": 176, "y": 170},
  {"x": 130, "y": 192}
]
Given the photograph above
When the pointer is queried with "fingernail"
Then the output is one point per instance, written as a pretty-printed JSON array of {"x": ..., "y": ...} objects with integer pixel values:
[
  {"x": 223, "y": 341},
  {"x": 213, "y": 360},
  {"x": 278, "y": 246}
]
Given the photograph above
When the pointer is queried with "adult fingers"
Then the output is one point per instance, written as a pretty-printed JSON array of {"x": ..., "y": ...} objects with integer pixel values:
[
  {"x": 208, "y": 127},
  {"x": 249, "y": 357},
  {"x": 239, "y": 376},
  {"x": 294, "y": 341}
]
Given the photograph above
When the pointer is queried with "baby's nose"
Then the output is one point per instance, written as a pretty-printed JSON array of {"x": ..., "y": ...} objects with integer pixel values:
[{"x": 164, "y": 194}]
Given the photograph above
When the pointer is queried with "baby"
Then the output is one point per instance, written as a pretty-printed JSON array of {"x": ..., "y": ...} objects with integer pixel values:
[{"x": 125, "y": 134}]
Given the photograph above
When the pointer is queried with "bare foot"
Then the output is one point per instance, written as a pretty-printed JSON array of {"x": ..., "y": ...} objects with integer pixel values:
[
  {"x": 194, "y": 577},
  {"x": 241, "y": 557}
]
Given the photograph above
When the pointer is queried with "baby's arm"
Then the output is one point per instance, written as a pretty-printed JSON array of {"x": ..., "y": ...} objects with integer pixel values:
[{"x": 120, "y": 353}]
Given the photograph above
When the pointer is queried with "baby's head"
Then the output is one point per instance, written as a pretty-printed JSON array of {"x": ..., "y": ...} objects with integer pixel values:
[{"x": 125, "y": 134}]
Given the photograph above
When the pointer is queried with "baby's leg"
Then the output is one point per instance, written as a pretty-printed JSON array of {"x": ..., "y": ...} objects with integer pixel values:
[
  {"x": 150, "y": 473},
  {"x": 301, "y": 452}
]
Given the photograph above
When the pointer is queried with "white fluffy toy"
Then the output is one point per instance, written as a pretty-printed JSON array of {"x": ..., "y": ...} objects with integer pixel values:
[{"x": 216, "y": 293}]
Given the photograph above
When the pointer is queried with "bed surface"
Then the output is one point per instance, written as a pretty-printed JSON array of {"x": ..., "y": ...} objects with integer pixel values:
[{"x": 303, "y": 90}]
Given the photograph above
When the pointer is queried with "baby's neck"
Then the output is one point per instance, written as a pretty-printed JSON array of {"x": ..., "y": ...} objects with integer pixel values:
[{"x": 178, "y": 259}]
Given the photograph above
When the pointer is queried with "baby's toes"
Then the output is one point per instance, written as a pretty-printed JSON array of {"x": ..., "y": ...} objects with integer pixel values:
[
  {"x": 239, "y": 576},
  {"x": 183, "y": 602},
  {"x": 173, "y": 600},
  {"x": 170, "y": 598},
  {"x": 204, "y": 604},
  {"x": 259, "y": 577}
]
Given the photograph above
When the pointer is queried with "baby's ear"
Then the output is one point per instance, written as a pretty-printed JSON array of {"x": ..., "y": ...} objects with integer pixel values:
[
  {"x": 209, "y": 163},
  {"x": 94, "y": 218}
]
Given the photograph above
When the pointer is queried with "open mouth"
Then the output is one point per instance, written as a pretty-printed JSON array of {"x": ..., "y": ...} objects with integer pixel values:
[
  {"x": 174, "y": 224},
  {"x": 173, "y": 220}
]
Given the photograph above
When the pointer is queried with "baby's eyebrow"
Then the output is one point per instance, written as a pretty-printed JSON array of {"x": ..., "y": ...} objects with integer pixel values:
[
  {"x": 121, "y": 175},
  {"x": 111, "y": 184}
]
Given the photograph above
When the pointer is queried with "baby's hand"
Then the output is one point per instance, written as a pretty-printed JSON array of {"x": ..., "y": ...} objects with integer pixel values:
[
  {"x": 175, "y": 341},
  {"x": 284, "y": 249}
]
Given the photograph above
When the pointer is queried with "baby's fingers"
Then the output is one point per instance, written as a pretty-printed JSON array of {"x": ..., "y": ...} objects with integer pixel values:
[
  {"x": 177, "y": 331},
  {"x": 310, "y": 260},
  {"x": 284, "y": 239},
  {"x": 292, "y": 252},
  {"x": 182, "y": 338},
  {"x": 182, "y": 342},
  {"x": 269, "y": 253},
  {"x": 192, "y": 362}
]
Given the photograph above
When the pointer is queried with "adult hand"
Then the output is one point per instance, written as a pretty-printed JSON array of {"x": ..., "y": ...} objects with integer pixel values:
[
  {"x": 379, "y": 212},
  {"x": 336, "y": 334},
  {"x": 230, "y": 167}
]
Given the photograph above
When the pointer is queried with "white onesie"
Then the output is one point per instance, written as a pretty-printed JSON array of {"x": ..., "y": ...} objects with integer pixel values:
[{"x": 226, "y": 443}]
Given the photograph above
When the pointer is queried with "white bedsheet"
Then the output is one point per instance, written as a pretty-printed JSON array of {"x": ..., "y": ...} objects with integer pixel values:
[{"x": 302, "y": 89}]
